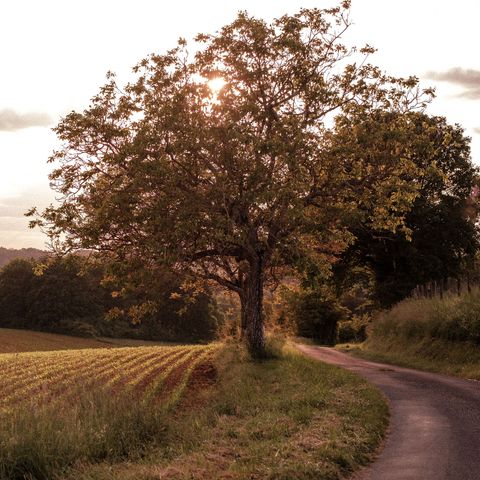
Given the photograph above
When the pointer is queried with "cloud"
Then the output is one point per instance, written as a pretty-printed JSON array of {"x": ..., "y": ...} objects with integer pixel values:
[
  {"x": 14, "y": 231},
  {"x": 11, "y": 120},
  {"x": 16, "y": 206},
  {"x": 16, "y": 234},
  {"x": 465, "y": 77},
  {"x": 469, "y": 79}
]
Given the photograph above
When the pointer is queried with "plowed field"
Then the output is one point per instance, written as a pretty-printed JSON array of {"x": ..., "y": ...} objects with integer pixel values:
[{"x": 147, "y": 373}]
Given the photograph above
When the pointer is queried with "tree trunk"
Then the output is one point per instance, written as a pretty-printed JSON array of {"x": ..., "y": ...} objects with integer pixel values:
[
  {"x": 243, "y": 317},
  {"x": 252, "y": 309}
]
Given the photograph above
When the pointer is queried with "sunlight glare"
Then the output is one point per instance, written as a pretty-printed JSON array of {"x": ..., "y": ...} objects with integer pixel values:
[{"x": 216, "y": 84}]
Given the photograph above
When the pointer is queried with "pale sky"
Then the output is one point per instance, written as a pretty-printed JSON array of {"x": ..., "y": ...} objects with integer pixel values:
[{"x": 54, "y": 55}]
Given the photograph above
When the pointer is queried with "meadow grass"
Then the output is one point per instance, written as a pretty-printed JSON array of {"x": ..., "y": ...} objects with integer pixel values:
[
  {"x": 440, "y": 335},
  {"x": 288, "y": 417},
  {"x": 41, "y": 444}
]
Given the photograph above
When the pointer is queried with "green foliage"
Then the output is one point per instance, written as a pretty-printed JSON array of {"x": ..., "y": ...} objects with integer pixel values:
[
  {"x": 355, "y": 291},
  {"x": 57, "y": 295},
  {"x": 17, "y": 281},
  {"x": 64, "y": 292},
  {"x": 440, "y": 238},
  {"x": 157, "y": 304},
  {"x": 353, "y": 329},
  {"x": 315, "y": 313}
]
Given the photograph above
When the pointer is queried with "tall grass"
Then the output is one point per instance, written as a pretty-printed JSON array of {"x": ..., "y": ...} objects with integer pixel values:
[
  {"x": 39, "y": 443},
  {"x": 453, "y": 319}
]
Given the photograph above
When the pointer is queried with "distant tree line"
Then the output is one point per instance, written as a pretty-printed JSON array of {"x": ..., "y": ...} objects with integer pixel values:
[{"x": 71, "y": 295}]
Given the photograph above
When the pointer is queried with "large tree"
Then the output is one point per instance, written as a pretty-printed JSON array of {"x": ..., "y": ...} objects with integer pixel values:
[
  {"x": 441, "y": 237},
  {"x": 229, "y": 184}
]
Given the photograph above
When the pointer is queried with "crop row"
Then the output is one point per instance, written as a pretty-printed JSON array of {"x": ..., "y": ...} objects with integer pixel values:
[{"x": 45, "y": 377}]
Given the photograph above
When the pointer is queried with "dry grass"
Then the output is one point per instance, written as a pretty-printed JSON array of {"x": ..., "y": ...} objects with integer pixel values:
[{"x": 439, "y": 335}]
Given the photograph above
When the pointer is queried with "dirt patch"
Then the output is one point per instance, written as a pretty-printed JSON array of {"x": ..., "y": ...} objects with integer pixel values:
[{"x": 203, "y": 377}]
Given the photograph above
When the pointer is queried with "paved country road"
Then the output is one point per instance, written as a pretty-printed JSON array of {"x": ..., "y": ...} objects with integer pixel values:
[{"x": 435, "y": 421}]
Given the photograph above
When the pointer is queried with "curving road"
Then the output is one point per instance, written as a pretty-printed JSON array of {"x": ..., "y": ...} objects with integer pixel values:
[{"x": 435, "y": 421}]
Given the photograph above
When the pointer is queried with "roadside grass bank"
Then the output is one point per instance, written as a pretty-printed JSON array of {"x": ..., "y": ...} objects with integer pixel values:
[
  {"x": 288, "y": 417},
  {"x": 461, "y": 360},
  {"x": 439, "y": 335}
]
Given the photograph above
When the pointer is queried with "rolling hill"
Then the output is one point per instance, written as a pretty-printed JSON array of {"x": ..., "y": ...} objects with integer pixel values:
[{"x": 9, "y": 254}]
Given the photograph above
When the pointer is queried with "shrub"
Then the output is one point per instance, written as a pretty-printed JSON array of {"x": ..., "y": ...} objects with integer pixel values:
[
  {"x": 315, "y": 313},
  {"x": 353, "y": 329}
]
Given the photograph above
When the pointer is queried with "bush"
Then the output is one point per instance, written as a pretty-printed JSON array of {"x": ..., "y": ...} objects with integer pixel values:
[
  {"x": 353, "y": 329},
  {"x": 82, "y": 327},
  {"x": 315, "y": 313}
]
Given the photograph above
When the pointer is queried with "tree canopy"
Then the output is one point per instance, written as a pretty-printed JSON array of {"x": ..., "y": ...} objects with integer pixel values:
[
  {"x": 440, "y": 238},
  {"x": 232, "y": 185}
]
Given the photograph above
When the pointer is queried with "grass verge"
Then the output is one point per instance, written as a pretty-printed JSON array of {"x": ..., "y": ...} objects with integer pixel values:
[
  {"x": 461, "y": 359},
  {"x": 288, "y": 417},
  {"x": 435, "y": 334}
]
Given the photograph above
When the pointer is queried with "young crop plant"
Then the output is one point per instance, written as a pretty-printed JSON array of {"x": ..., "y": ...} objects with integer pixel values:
[{"x": 59, "y": 377}]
